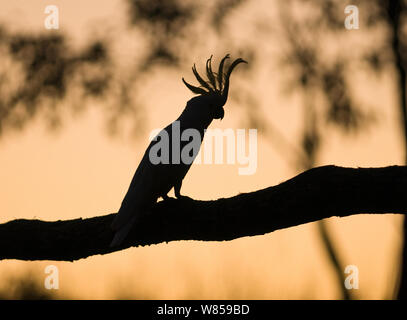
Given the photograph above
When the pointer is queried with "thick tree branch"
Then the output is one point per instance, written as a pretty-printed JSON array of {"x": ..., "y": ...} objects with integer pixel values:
[{"x": 313, "y": 195}]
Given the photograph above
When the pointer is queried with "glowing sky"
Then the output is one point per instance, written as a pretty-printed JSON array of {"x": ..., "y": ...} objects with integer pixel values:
[{"x": 81, "y": 172}]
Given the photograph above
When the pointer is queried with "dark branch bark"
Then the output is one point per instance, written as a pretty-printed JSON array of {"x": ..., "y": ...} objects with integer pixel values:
[{"x": 316, "y": 194}]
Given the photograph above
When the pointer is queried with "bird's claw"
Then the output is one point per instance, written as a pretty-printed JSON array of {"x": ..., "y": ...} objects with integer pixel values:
[
  {"x": 167, "y": 198},
  {"x": 183, "y": 198}
]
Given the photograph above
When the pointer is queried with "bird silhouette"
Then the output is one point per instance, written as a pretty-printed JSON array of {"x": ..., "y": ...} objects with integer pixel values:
[{"x": 154, "y": 179}]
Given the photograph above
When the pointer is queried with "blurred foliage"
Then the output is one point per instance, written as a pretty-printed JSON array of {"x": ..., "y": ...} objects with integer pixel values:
[
  {"x": 164, "y": 23},
  {"x": 221, "y": 11},
  {"x": 322, "y": 69},
  {"x": 37, "y": 72},
  {"x": 42, "y": 74},
  {"x": 25, "y": 287},
  {"x": 325, "y": 76},
  {"x": 44, "y": 69},
  {"x": 171, "y": 25}
]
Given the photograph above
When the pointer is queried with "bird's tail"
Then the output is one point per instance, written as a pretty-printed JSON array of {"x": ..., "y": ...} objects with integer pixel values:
[{"x": 122, "y": 233}]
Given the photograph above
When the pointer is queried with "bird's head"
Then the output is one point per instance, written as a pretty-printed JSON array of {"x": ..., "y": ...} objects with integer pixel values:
[{"x": 214, "y": 91}]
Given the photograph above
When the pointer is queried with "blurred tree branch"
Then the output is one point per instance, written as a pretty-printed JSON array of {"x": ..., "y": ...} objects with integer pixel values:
[
  {"x": 37, "y": 72},
  {"x": 315, "y": 194}
]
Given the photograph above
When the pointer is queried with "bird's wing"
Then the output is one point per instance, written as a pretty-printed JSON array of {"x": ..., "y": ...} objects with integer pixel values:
[{"x": 138, "y": 196}]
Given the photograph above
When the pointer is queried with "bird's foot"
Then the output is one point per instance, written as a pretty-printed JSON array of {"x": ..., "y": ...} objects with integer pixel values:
[
  {"x": 183, "y": 198},
  {"x": 167, "y": 198}
]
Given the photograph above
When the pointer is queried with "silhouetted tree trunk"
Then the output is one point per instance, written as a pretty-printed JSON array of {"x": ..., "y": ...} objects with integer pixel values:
[
  {"x": 394, "y": 10},
  {"x": 311, "y": 146},
  {"x": 316, "y": 194}
]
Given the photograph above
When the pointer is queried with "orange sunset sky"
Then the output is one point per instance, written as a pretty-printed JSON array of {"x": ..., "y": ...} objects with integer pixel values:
[{"x": 81, "y": 171}]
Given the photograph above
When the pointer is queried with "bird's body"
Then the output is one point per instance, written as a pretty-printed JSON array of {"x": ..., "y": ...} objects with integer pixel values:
[{"x": 153, "y": 180}]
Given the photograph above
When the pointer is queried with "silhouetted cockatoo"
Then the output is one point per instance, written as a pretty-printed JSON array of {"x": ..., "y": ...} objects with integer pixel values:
[{"x": 153, "y": 180}]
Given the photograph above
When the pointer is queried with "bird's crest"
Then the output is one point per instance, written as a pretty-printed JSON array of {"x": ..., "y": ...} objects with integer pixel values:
[{"x": 217, "y": 83}]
